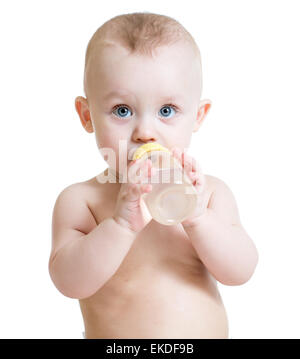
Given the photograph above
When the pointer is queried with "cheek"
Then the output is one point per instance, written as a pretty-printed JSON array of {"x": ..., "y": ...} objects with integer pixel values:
[
  {"x": 181, "y": 136},
  {"x": 110, "y": 143},
  {"x": 106, "y": 136}
]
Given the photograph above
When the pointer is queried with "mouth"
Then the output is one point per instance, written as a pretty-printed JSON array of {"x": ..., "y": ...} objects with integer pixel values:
[{"x": 131, "y": 153}]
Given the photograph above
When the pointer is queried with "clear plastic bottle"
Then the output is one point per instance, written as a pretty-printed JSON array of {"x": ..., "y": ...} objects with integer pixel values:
[{"x": 173, "y": 197}]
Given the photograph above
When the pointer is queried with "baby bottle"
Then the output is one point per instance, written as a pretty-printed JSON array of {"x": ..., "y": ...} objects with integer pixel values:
[{"x": 173, "y": 197}]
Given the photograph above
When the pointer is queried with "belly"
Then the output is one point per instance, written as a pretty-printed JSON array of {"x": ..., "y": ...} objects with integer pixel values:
[{"x": 161, "y": 300}]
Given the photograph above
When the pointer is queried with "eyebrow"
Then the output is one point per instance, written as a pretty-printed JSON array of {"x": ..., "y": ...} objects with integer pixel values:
[
  {"x": 116, "y": 94},
  {"x": 164, "y": 98}
]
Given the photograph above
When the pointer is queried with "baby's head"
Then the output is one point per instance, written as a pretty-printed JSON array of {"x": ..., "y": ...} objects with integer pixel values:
[{"x": 143, "y": 83}]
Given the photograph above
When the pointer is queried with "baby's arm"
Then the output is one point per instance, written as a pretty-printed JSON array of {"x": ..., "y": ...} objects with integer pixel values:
[
  {"x": 220, "y": 240},
  {"x": 82, "y": 259},
  {"x": 85, "y": 255}
]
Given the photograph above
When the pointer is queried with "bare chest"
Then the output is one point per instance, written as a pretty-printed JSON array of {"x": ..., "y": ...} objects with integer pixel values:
[
  {"x": 158, "y": 249},
  {"x": 160, "y": 283},
  {"x": 156, "y": 245}
]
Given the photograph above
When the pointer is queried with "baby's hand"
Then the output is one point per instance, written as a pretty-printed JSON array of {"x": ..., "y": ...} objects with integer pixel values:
[
  {"x": 194, "y": 173},
  {"x": 130, "y": 210}
]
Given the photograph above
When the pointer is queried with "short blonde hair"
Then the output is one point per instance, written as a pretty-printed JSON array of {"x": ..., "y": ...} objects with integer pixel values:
[{"x": 139, "y": 33}]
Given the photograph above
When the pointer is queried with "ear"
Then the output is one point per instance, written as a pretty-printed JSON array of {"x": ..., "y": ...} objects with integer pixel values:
[
  {"x": 203, "y": 108},
  {"x": 83, "y": 111}
]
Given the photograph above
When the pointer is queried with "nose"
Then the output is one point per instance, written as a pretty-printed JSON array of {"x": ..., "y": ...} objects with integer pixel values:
[{"x": 144, "y": 133}]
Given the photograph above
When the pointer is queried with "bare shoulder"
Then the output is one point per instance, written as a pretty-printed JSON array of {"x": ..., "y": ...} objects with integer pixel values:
[
  {"x": 216, "y": 183},
  {"x": 71, "y": 217},
  {"x": 222, "y": 200},
  {"x": 72, "y": 205}
]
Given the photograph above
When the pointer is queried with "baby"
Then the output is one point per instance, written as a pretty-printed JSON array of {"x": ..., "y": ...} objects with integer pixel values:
[{"x": 134, "y": 277}]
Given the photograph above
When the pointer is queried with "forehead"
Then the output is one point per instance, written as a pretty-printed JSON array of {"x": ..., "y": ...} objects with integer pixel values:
[{"x": 113, "y": 68}]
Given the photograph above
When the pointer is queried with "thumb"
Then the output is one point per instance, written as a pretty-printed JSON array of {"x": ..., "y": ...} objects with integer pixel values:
[
  {"x": 135, "y": 191},
  {"x": 145, "y": 211}
]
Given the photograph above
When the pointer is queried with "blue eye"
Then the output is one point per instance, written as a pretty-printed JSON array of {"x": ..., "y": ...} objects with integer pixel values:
[
  {"x": 166, "y": 110},
  {"x": 122, "y": 111}
]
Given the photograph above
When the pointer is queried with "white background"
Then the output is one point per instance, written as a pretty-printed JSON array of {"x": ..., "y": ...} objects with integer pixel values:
[{"x": 250, "y": 53}]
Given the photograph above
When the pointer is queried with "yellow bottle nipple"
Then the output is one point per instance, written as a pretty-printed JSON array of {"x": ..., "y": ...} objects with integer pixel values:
[{"x": 147, "y": 147}]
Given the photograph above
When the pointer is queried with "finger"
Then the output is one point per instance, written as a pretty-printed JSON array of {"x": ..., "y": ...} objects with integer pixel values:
[
  {"x": 137, "y": 170},
  {"x": 146, "y": 171},
  {"x": 198, "y": 181},
  {"x": 174, "y": 150},
  {"x": 136, "y": 190},
  {"x": 133, "y": 193},
  {"x": 177, "y": 153},
  {"x": 145, "y": 188},
  {"x": 130, "y": 169},
  {"x": 190, "y": 164}
]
